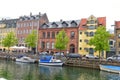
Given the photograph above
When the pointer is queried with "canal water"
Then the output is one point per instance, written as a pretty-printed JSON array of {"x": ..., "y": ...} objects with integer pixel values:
[{"x": 11, "y": 70}]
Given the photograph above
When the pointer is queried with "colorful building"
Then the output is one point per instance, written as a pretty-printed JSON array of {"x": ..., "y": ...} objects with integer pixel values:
[
  {"x": 6, "y": 26},
  {"x": 87, "y": 29},
  {"x": 26, "y": 24},
  {"x": 48, "y": 31}
]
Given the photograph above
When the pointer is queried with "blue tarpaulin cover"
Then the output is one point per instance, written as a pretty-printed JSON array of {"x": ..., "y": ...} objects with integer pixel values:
[{"x": 45, "y": 58}]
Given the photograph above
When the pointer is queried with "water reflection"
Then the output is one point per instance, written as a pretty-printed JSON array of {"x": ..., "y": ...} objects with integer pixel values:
[
  {"x": 49, "y": 72},
  {"x": 22, "y": 71},
  {"x": 110, "y": 76}
]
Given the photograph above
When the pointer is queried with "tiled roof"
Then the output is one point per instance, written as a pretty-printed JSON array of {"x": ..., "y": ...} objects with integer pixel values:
[
  {"x": 102, "y": 20},
  {"x": 117, "y": 24},
  {"x": 82, "y": 22}
]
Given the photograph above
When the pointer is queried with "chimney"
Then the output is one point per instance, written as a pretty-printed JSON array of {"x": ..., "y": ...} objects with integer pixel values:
[
  {"x": 61, "y": 20},
  {"x": 30, "y": 14},
  {"x": 39, "y": 13}
]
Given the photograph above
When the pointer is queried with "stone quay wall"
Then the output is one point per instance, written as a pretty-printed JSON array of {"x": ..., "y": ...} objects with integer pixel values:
[{"x": 88, "y": 63}]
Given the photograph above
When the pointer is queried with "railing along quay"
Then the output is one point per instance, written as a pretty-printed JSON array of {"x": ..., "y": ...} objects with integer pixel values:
[{"x": 89, "y": 63}]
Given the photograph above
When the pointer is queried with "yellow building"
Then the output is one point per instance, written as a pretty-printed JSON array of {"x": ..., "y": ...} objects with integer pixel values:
[
  {"x": 6, "y": 26},
  {"x": 87, "y": 30}
]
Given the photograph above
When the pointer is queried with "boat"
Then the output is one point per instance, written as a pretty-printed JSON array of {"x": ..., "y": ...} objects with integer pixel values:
[
  {"x": 50, "y": 60},
  {"x": 25, "y": 59},
  {"x": 110, "y": 68}
]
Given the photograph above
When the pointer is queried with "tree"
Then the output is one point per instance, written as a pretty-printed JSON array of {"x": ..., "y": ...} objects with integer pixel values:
[
  {"x": 100, "y": 40},
  {"x": 9, "y": 40},
  {"x": 31, "y": 40},
  {"x": 61, "y": 40}
]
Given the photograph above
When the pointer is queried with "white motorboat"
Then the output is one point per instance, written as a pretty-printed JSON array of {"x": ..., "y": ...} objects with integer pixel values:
[
  {"x": 25, "y": 59},
  {"x": 50, "y": 61},
  {"x": 110, "y": 68}
]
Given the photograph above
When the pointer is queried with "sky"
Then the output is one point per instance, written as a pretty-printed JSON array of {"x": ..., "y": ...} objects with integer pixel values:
[{"x": 62, "y": 9}]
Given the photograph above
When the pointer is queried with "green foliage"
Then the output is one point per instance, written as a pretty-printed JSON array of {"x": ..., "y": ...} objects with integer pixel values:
[
  {"x": 9, "y": 40},
  {"x": 31, "y": 39},
  {"x": 61, "y": 40},
  {"x": 100, "y": 39}
]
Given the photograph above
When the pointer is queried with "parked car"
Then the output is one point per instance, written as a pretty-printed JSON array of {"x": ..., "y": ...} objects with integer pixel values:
[
  {"x": 90, "y": 56},
  {"x": 73, "y": 55},
  {"x": 114, "y": 58}
]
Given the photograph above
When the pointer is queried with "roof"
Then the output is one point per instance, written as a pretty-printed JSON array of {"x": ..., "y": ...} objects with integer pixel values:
[
  {"x": 9, "y": 22},
  {"x": 117, "y": 24},
  {"x": 82, "y": 22},
  {"x": 31, "y": 17},
  {"x": 61, "y": 24},
  {"x": 100, "y": 21}
]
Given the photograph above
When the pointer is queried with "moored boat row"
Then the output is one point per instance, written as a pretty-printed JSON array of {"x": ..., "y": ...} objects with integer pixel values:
[{"x": 47, "y": 60}]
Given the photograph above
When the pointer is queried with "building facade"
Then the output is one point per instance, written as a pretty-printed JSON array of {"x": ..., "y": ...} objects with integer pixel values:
[
  {"x": 47, "y": 33},
  {"x": 6, "y": 26},
  {"x": 87, "y": 29},
  {"x": 112, "y": 42},
  {"x": 26, "y": 24},
  {"x": 117, "y": 36}
]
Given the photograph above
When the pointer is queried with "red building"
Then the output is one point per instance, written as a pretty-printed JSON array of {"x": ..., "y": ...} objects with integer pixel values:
[
  {"x": 47, "y": 33},
  {"x": 26, "y": 24}
]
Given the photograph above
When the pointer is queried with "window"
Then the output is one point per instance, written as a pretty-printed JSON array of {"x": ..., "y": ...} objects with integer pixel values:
[
  {"x": 64, "y": 24},
  {"x": 92, "y": 22},
  {"x": 80, "y": 48},
  {"x": 30, "y": 23},
  {"x": 111, "y": 42},
  {"x": 54, "y": 25},
  {"x": 42, "y": 44},
  {"x": 80, "y": 32},
  {"x": 53, "y": 35},
  {"x": 91, "y": 51},
  {"x": 91, "y": 27},
  {"x": 73, "y": 24},
  {"x": 91, "y": 33},
  {"x": 48, "y": 45},
  {"x": 86, "y": 49},
  {"x": 80, "y": 40},
  {"x": 52, "y": 45},
  {"x": 86, "y": 41},
  {"x": 86, "y": 33},
  {"x": 48, "y": 34},
  {"x": 18, "y": 25},
  {"x": 72, "y": 34},
  {"x": 44, "y": 35}
]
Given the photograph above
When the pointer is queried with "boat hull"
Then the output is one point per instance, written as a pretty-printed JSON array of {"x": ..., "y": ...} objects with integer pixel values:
[
  {"x": 109, "y": 68},
  {"x": 51, "y": 63},
  {"x": 25, "y": 61}
]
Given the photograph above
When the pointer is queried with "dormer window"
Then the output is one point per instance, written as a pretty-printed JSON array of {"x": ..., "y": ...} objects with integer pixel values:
[
  {"x": 64, "y": 24},
  {"x": 32, "y": 17},
  {"x": 83, "y": 26},
  {"x": 54, "y": 25},
  {"x": 45, "y": 25},
  {"x": 73, "y": 24}
]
